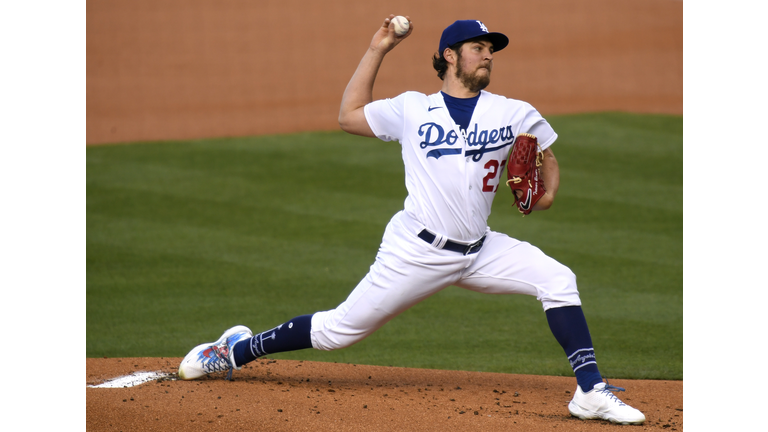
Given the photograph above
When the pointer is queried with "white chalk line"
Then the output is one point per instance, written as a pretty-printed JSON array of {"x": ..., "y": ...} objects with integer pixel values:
[{"x": 132, "y": 380}]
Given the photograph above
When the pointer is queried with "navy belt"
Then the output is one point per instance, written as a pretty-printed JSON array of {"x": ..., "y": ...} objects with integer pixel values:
[{"x": 453, "y": 246}]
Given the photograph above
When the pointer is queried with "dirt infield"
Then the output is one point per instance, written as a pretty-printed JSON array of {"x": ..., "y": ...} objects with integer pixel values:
[
  {"x": 185, "y": 69},
  {"x": 285, "y": 395}
]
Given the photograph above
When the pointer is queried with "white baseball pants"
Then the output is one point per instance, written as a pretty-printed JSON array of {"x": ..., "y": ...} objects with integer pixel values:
[{"x": 407, "y": 270}]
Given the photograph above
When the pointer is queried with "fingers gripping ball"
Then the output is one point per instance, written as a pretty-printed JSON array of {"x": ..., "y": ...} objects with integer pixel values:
[
  {"x": 401, "y": 25},
  {"x": 524, "y": 172}
]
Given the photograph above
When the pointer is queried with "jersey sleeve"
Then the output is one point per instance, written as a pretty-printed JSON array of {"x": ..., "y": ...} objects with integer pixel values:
[
  {"x": 386, "y": 117},
  {"x": 536, "y": 125}
]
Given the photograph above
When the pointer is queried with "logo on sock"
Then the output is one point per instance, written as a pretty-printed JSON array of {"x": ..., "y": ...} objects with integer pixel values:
[{"x": 582, "y": 358}]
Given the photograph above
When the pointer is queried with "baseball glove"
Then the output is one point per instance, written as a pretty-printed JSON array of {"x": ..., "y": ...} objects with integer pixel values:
[{"x": 524, "y": 172}]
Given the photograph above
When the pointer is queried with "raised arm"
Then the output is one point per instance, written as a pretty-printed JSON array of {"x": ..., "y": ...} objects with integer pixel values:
[{"x": 359, "y": 91}]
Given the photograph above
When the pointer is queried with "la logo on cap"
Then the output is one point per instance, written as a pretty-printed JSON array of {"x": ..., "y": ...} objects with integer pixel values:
[{"x": 463, "y": 30}]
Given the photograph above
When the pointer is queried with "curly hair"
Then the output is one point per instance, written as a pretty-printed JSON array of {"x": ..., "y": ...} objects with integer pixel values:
[{"x": 439, "y": 62}]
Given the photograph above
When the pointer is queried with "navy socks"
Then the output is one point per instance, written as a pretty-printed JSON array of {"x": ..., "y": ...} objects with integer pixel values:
[
  {"x": 569, "y": 327},
  {"x": 291, "y": 336}
]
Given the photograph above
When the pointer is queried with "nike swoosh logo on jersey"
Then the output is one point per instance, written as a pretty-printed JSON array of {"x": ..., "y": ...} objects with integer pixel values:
[{"x": 433, "y": 108}]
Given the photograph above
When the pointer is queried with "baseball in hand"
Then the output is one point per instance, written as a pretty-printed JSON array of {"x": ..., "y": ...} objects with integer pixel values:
[{"x": 401, "y": 25}]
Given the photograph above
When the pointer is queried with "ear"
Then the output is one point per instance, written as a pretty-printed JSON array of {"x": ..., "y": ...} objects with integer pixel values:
[{"x": 450, "y": 56}]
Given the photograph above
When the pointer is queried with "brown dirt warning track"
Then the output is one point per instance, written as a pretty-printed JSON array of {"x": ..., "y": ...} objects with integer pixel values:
[{"x": 185, "y": 69}]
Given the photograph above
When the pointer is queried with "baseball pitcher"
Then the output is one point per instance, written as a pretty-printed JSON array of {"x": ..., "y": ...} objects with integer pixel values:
[{"x": 455, "y": 144}]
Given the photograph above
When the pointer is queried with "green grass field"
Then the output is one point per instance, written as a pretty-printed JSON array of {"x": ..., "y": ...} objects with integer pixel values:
[{"x": 186, "y": 239}]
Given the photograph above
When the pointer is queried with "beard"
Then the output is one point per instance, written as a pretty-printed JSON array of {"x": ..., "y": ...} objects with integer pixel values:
[{"x": 472, "y": 81}]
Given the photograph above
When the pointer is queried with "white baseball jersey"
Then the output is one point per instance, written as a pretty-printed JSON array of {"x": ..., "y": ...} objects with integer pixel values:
[
  {"x": 452, "y": 177},
  {"x": 451, "y": 180}
]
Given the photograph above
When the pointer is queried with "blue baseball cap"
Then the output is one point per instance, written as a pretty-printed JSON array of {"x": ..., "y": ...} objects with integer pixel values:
[{"x": 463, "y": 30}]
